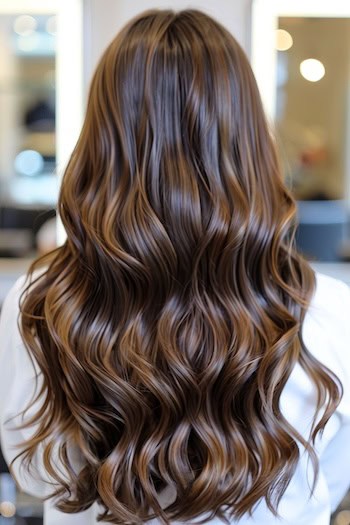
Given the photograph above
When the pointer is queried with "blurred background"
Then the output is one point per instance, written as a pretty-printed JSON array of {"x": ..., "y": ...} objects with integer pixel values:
[{"x": 300, "y": 53}]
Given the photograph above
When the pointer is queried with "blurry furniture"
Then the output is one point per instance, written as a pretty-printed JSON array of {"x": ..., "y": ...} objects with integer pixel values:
[
  {"x": 18, "y": 228},
  {"x": 322, "y": 230}
]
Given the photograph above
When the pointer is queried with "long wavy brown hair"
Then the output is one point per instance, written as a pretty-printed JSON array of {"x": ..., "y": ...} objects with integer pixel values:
[{"x": 168, "y": 323}]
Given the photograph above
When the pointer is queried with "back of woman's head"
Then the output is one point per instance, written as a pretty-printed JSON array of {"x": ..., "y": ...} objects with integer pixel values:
[{"x": 169, "y": 322}]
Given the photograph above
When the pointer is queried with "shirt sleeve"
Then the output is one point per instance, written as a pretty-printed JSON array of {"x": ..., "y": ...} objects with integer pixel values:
[
  {"x": 327, "y": 333},
  {"x": 342, "y": 347},
  {"x": 17, "y": 388},
  {"x": 334, "y": 331},
  {"x": 19, "y": 380}
]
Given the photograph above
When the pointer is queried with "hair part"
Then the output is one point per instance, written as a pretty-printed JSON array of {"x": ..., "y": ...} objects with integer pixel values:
[{"x": 168, "y": 323}]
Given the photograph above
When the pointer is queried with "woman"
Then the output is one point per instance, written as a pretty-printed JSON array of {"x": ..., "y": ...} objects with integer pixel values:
[{"x": 181, "y": 361}]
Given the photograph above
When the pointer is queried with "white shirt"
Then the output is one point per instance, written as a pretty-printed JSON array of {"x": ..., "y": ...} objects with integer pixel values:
[{"x": 326, "y": 333}]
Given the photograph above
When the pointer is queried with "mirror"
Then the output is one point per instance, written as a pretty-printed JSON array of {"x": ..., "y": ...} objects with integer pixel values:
[
  {"x": 41, "y": 104},
  {"x": 301, "y": 59},
  {"x": 27, "y": 127},
  {"x": 313, "y": 104}
]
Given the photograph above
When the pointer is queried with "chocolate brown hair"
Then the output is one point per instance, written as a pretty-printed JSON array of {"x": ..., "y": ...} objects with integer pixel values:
[{"x": 168, "y": 323}]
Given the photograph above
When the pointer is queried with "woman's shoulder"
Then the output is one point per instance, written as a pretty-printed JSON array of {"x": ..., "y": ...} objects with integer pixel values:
[
  {"x": 10, "y": 313},
  {"x": 330, "y": 292},
  {"x": 329, "y": 308},
  {"x": 330, "y": 305},
  {"x": 19, "y": 286}
]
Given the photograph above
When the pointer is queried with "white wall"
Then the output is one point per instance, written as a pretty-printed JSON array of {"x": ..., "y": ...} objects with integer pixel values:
[{"x": 104, "y": 18}]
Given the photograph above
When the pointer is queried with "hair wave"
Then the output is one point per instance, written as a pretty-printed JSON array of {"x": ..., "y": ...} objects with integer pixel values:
[{"x": 168, "y": 323}]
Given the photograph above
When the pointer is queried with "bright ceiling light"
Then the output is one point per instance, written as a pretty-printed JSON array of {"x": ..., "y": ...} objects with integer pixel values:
[
  {"x": 312, "y": 69},
  {"x": 284, "y": 40},
  {"x": 29, "y": 162},
  {"x": 343, "y": 518},
  {"x": 25, "y": 25},
  {"x": 7, "y": 509},
  {"x": 51, "y": 25}
]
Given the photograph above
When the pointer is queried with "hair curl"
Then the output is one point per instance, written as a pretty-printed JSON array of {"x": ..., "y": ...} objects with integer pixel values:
[{"x": 168, "y": 323}]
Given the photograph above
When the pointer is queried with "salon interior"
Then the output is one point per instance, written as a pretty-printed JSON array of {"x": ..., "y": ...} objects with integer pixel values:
[{"x": 300, "y": 54}]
